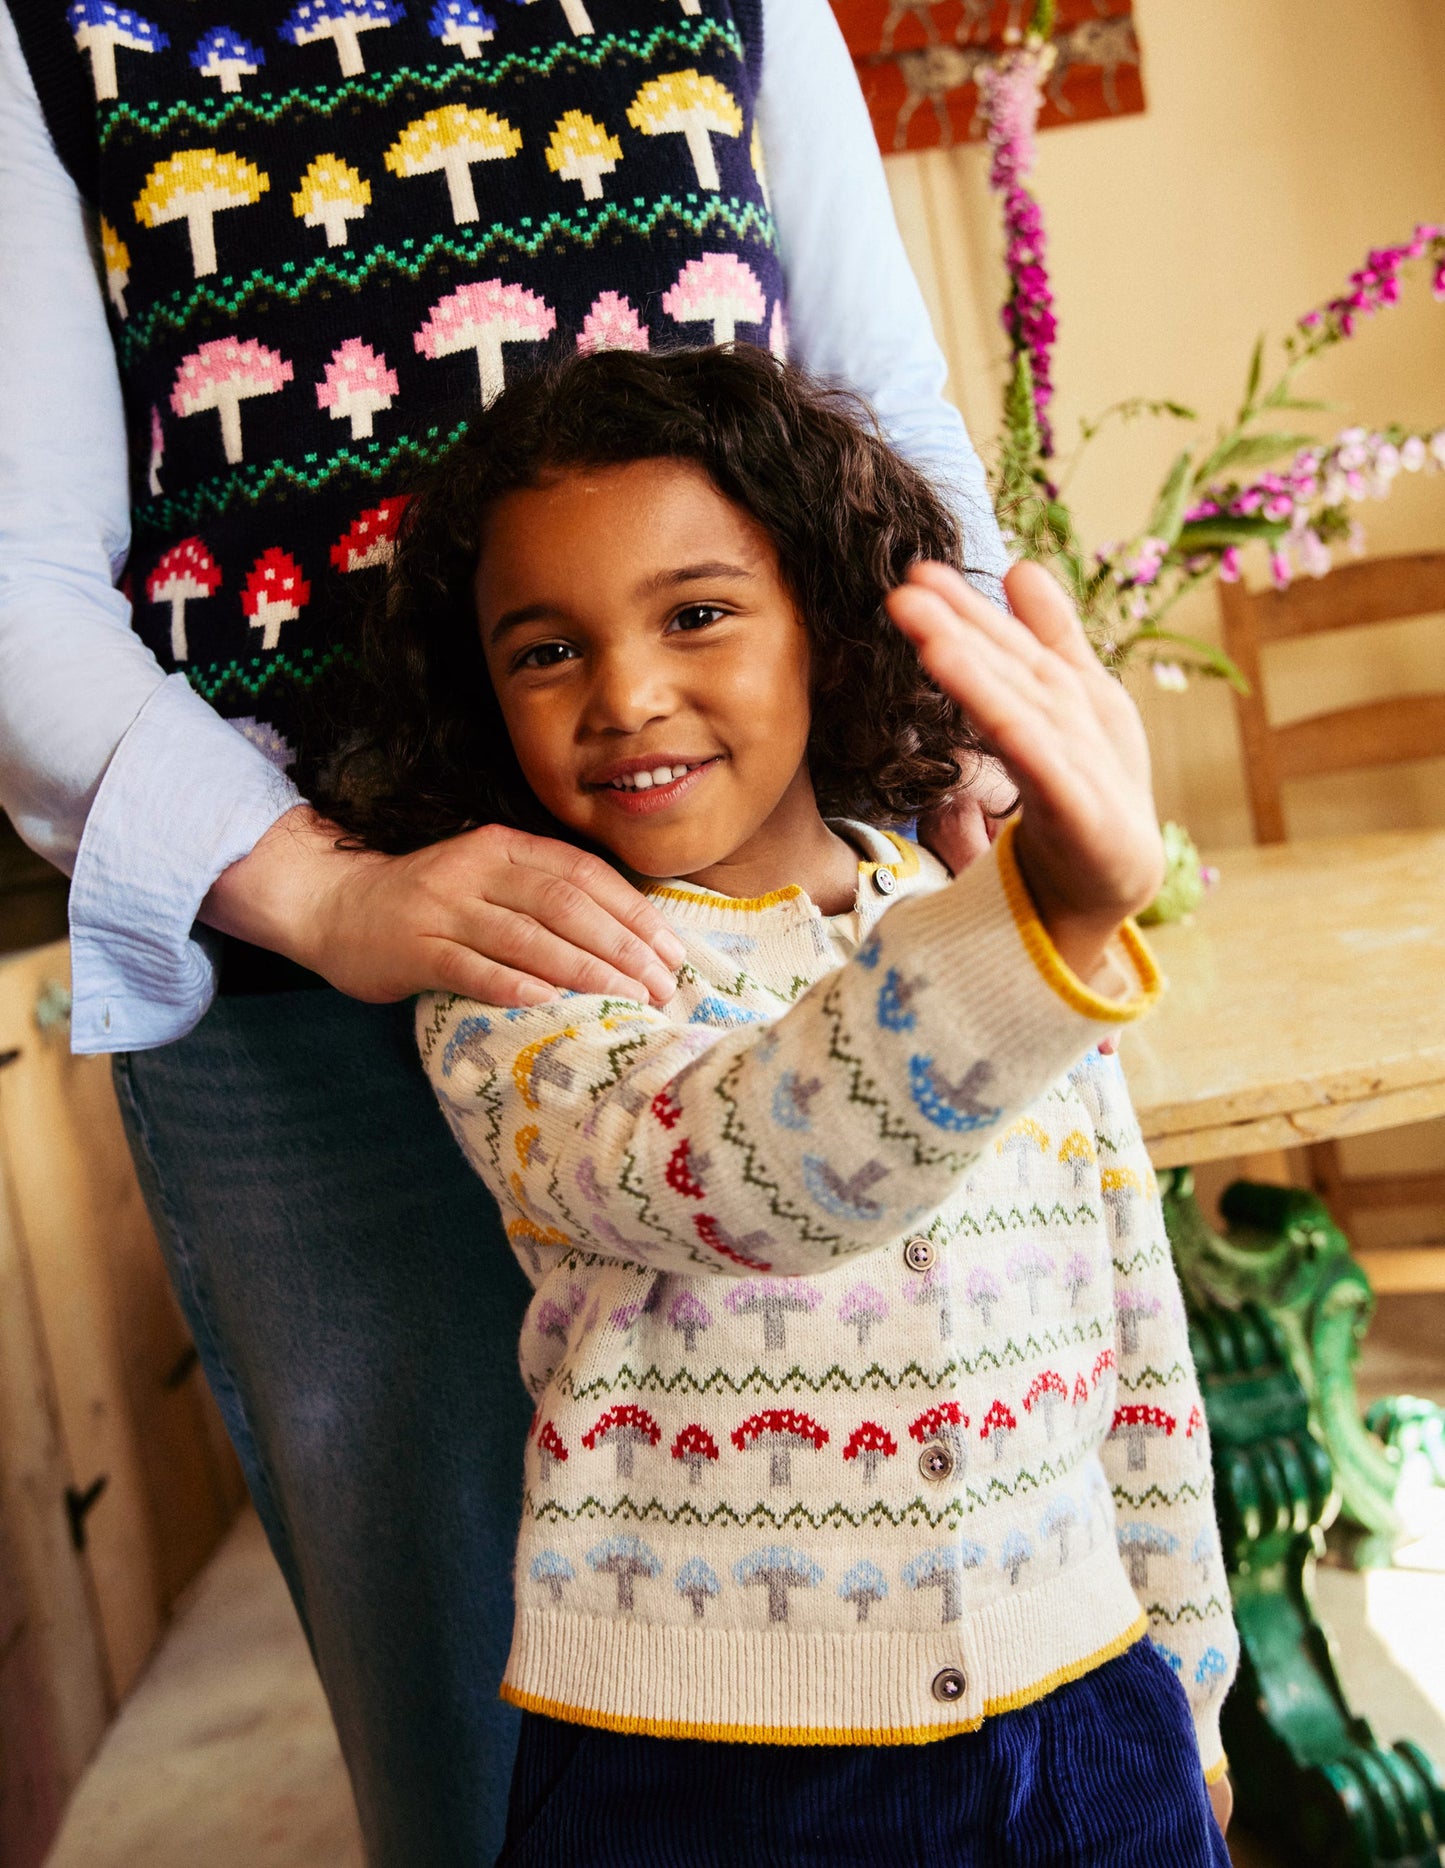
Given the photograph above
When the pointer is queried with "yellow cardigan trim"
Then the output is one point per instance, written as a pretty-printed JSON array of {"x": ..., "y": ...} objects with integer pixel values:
[
  {"x": 745, "y": 904},
  {"x": 1216, "y": 1771},
  {"x": 1051, "y": 963},
  {"x": 822, "y": 1734}
]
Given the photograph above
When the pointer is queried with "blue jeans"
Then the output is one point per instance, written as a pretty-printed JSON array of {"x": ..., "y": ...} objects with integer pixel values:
[
  {"x": 1101, "y": 1773},
  {"x": 356, "y": 1308}
]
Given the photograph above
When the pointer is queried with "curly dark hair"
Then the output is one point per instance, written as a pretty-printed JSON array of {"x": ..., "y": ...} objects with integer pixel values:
[{"x": 416, "y": 746}]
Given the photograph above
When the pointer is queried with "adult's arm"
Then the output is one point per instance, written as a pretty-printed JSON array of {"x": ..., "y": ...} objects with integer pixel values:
[
  {"x": 855, "y": 309},
  {"x": 125, "y": 778},
  {"x": 120, "y": 775}
]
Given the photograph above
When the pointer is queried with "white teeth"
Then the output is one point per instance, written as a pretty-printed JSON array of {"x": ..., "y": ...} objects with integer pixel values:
[
  {"x": 679, "y": 771},
  {"x": 642, "y": 781},
  {"x": 663, "y": 775}
]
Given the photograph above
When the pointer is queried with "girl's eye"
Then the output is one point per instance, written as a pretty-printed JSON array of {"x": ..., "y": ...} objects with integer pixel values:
[
  {"x": 545, "y": 655},
  {"x": 697, "y": 616}
]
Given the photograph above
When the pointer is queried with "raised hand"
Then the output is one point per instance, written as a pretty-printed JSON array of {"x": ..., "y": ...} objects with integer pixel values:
[
  {"x": 1066, "y": 731},
  {"x": 495, "y": 914}
]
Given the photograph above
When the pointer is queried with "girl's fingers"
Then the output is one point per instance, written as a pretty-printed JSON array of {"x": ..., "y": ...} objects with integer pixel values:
[{"x": 1041, "y": 602}]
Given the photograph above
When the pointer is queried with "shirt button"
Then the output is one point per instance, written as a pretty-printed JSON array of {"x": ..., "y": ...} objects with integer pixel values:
[
  {"x": 949, "y": 1685},
  {"x": 884, "y": 881},
  {"x": 919, "y": 1254},
  {"x": 935, "y": 1461}
]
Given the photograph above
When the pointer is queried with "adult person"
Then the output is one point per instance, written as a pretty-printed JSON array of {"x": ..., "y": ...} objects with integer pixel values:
[{"x": 244, "y": 281}]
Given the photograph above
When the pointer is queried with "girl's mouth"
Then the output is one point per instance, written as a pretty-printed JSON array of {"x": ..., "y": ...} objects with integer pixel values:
[{"x": 639, "y": 794}]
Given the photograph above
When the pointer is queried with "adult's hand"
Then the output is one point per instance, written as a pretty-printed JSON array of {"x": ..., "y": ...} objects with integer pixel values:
[{"x": 498, "y": 915}]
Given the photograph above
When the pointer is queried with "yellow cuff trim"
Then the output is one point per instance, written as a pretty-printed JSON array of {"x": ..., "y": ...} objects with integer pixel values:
[
  {"x": 1216, "y": 1771},
  {"x": 1051, "y": 963},
  {"x": 824, "y": 1734}
]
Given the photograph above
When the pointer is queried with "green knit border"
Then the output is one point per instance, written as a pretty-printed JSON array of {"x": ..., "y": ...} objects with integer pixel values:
[
  {"x": 324, "y": 100},
  {"x": 584, "y": 226},
  {"x": 254, "y": 674},
  {"x": 216, "y": 496}
]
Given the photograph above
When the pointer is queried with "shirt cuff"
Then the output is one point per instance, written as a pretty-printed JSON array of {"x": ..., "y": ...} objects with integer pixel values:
[
  {"x": 184, "y": 797},
  {"x": 1211, "y": 1745}
]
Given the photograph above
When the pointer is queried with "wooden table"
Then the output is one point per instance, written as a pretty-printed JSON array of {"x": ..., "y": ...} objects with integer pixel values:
[{"x": 1306, "y": 1001}]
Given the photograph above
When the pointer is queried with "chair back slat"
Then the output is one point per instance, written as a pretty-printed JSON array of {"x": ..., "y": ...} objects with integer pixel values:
[{"x": 1391, "y": 732}]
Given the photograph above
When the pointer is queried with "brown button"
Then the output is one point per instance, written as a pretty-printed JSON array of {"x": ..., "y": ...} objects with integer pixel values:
[
  {"x": 919, "y": 1254},
  {"x": 949, "y": 1685},
  {"x": 884, "y": 881},
  {"x": 935, "y": 1461}
]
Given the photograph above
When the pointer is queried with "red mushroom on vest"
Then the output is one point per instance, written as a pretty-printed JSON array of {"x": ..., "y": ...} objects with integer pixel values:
[
  {"x": 372, "y": 538},
  {"x": 275, "y": 592},
  {"x": 186, "y": 571}
]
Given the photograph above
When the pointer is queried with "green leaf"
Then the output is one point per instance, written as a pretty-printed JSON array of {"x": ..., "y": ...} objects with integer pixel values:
[
  {"x": 1168, "y": 515},
  {"x": 1251, "y": 387},
  {"x": 1215, "y": 660},
  {"x": 1216, "y": 534},
  {"x": 1251, "y": 451},
  {"x": 1277, "y": 399}
]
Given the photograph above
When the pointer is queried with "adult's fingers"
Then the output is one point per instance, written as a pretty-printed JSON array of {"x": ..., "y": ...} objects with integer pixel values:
[
  {"x": 567, "y": 911},
  {"x": 511, "y": 937},
  {"x": 602, "y": 883},
  {"x": 457, "y": 969}
]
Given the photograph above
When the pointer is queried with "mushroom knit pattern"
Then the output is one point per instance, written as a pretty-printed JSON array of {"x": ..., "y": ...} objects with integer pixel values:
[
  {"x": 865, "y": 1408},
  {"x": 445, "y": 190}
]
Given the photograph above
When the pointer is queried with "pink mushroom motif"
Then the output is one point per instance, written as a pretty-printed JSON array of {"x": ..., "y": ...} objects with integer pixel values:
[
  {"x": 719, "y": 289},
  {"x": 357, "y": 383},
  {"x": 483, "y": 318},
  {"x": 612, "y": 324},
  {"x": 221, "y": 375},
  {"x": 275, "y": 592},
  {"x": 372, "y": 538},
  {"x": 778, "y": 333},
  {"x": 185, "y": 572},
  {"x": 157, "y": 454}
]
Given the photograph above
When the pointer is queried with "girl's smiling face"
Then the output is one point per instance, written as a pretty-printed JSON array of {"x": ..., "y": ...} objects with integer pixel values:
[{"x": 653, "y": 672}]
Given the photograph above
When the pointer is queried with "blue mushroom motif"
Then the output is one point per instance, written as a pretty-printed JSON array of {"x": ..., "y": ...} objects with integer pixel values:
[
  {"x": 864, "y": 1585},
  {"x": 1060, "y": 1517},
  {"x": 1176, "y": 1661},
  {"x": 1139, "y": 1542},
  {"x": 956, "y": 1106},
  {"x": 895, "y": 1002},
  {"x": 1211, "y": 1670},
  {"x": 940, "y": 1569},
  {"x": 224, "y": 54},
  {"x": 99, "y": 27},
  {"x": 697, "y": 1582},
  {"x": 553, "y": 1569},
  {"x": 459, "y": 23},
  {"x": 777, "y": 1569},
  {"x": 626, "y": 1558},
  {"x": 1014, "y": 1552},
  {"x": 343, "y": 22}
]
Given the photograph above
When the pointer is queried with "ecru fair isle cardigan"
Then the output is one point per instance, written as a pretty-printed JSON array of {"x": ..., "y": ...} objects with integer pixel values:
[{"x": 865, "y": 1408}]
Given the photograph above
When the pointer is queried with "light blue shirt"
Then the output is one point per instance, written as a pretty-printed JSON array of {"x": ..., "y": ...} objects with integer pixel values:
[{"x": 122, "y": 775}]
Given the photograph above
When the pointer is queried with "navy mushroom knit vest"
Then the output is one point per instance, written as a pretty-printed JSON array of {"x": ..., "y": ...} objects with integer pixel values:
[{"x": 331, "y": 229}]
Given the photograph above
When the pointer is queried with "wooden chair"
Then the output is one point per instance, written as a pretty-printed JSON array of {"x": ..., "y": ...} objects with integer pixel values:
[{"x": 1377, "y": 733}]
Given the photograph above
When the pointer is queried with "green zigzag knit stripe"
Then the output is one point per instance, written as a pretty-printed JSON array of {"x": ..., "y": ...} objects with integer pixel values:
[
  {"x": 1154, "y": 1495},
  {"x": 1188, "y": 1612},
  {"x": 253, "y": 676},
  {"x": 1154, "y": 1378},
  {"x": 250, "y": 482},
  {"x": 380, "y": 87},
  {"x": 584, "y": 225},
  {"x": 916, "y": 1515}
]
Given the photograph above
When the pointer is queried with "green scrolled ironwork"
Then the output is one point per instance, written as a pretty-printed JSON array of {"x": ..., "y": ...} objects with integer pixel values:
[{"x": 1276, "y": 1309}]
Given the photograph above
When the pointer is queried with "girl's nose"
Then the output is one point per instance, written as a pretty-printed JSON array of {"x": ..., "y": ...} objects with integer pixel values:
[{"x": 628, "y": 690}]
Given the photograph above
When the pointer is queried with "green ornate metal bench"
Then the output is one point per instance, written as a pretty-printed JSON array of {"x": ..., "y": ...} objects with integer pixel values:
[{"x": 1277, "y": 1308}]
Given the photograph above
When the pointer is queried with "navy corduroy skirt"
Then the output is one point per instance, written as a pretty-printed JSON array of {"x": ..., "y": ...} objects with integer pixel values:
[{"x": 1103, "y": 1773}]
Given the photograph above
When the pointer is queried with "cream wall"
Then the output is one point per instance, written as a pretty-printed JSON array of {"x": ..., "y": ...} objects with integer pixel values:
[{"x": 1282, "y": 139}]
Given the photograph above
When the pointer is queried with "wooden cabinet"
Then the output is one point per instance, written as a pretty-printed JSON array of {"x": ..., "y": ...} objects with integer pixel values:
[{"x": 116, "y": 1481}]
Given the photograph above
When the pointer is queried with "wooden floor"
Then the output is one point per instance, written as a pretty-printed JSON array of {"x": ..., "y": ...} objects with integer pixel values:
[{"x": 224, "y": 1756}]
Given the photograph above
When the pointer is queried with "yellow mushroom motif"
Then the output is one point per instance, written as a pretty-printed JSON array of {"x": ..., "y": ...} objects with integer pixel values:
[
  {"x": 686, "y": 104},
  {"x": 448, "y": 141},
  {"x": 116, "y": 254},
  {"x": 582, "y": 151},
  {"x": 1076, "y": 1151},
  {"x": 194, "y": 186},
  {"x": 332, "y": 193}
]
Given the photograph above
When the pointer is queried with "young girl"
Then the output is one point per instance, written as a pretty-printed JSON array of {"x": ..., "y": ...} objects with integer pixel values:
[{"x": 867, "y": 1447}]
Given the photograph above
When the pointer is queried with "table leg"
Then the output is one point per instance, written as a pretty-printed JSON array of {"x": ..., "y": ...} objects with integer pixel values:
[{"x": 1309, "y": 1775}]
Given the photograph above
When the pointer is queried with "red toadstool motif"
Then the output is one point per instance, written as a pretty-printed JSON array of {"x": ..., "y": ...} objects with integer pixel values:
[
  {"x": 275, "y": 592},
  {"x": 185, "y": 572},
  {"x": 372, "y": 539}
]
